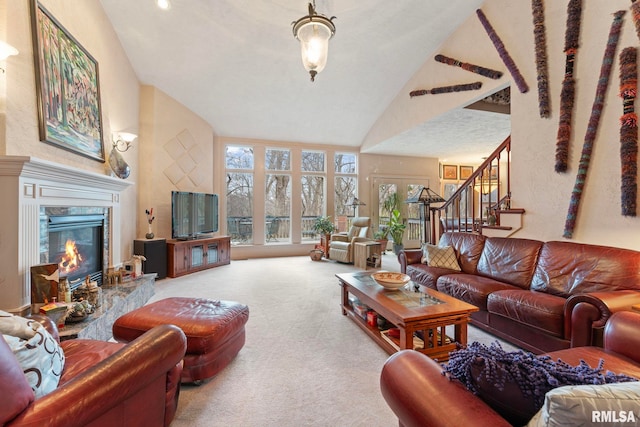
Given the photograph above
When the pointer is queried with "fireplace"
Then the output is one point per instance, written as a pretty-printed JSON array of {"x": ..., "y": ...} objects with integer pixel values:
[
  {"x": 75, "y": 240},
  {"x": 34, "y": 190}
]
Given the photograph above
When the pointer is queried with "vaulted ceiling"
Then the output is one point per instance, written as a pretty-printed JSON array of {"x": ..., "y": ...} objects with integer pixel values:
[{"x": 236, "y": 64}]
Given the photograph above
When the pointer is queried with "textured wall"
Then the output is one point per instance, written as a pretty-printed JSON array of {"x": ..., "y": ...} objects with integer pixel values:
[{"x": 177, "y": 150}]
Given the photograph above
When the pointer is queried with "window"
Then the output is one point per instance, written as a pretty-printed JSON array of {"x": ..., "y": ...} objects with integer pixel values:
[
  {"x": 277, "y": 159},
  {"x": 277, "y": 196},
  {"x": 313, "y": 161},
  {"x": 239, "y": 159},
  {"x": 346, "y": 163},
  {"x": 346, "y": 187},
  {"x": 294, "y": 184},
  {"x": 313, "y": 190}
]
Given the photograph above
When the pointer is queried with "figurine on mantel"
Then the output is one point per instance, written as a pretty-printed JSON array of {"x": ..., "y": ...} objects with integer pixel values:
[
  {"x": 89, "y": 291},
  {"x": 134, "y": 265},
  {"x": 79, "y": 311}
]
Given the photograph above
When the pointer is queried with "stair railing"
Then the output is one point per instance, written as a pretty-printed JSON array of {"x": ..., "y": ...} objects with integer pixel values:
[{"x": 466, "y": 212}]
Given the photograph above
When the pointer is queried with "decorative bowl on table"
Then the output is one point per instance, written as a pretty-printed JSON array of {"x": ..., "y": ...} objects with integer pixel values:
[{"x": 389, "y": 280}]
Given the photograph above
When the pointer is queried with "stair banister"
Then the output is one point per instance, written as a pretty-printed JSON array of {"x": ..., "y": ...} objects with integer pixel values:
[{"x": 482, "y": 175}]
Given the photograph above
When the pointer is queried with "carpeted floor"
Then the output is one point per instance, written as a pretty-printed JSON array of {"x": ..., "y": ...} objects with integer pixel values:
[{"x": 303, "y": 364}]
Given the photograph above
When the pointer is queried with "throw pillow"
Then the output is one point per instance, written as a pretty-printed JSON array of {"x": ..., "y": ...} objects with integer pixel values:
[
  {"x": 514, "y": 383},
  {"x": 586, "y": 404},
  {"x": 15, "y": 326},
  {"x": 443, "y": 257},
  {"x": 38, "y": 353}
]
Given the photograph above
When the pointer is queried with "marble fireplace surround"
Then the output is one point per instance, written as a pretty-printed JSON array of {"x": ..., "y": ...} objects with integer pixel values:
[{"x": 26, "y": 185}]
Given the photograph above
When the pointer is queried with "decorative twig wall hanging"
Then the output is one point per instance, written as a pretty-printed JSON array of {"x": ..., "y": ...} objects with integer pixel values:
[
  {"x": 541, "y": 57},
  {"x": 635, "y": 11},
  {"x": 446, "y": 89},
  {"x": 628, "y": 131},
  {"x": 502, "y": 51},
  {"x": 568, "y": 93},
  {"x": 594, "y": 120},
  {"x": 487, "y": 72}
]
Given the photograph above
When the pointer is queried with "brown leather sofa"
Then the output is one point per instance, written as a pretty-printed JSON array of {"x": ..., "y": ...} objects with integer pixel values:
[
  {"x": 102, "y": 384},
  {"x": 420, "y": 395},
  {"x": 541, "y": 296}
]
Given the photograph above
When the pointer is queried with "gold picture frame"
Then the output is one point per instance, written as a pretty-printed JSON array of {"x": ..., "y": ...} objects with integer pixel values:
[
  {"x": 465, "y": 172},
  {"x": 67, "y": 88},
  {"x": 450, "y": 172}
]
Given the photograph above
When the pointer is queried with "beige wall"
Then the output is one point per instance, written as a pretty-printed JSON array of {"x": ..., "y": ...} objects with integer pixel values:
[
  {"x": 177, "y": 151},
  {"x": 543, "y": 193}
]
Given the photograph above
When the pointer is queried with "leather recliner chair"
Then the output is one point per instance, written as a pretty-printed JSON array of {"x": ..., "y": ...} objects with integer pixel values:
[{"x": 341, "y": 245}]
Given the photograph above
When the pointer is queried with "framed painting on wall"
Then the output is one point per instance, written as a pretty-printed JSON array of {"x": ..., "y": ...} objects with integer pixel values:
[
  {"x": 492, "y": 173},
  {"x": 465, "y": 171},
  {"x": 450, "y": 171},
  {"x": 67, "y": 88}
]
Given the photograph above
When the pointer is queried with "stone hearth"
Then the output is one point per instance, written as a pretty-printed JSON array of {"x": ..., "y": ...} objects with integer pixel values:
[{"x": 117, "y": 300}]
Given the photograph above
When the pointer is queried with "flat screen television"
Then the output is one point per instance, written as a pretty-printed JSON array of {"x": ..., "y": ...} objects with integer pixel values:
[{"x": 193, "y": 215}]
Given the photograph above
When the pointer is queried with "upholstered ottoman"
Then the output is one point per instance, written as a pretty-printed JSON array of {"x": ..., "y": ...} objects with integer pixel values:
[{"x": 214, "y": 330}]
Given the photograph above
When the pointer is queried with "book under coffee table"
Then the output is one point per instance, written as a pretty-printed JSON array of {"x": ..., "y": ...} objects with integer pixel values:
[{"x": 421, "y": 317}]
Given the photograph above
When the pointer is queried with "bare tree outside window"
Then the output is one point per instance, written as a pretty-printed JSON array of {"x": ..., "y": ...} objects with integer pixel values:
[
  {"x": 279, "y": 181},
  {"x": 277, "y": 196},
  {"x": 313, "y": 161},
  {"x": 277, "y": 159},
  {"x": 346, "y": 163},
  {"x": 239, "y": 157},
  {"x": 313, "y": 196},
  {"x": 239, "y": 193},
  {"x": 346, "y": 188},
  {"x": 313, "y": 167}
]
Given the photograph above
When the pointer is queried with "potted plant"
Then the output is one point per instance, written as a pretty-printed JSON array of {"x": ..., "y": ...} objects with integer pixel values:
[
  {"x": 316, "y": 254},
  {"x": 382, "y": 236},
  {"x": 396, "y": 230},
  {"x": 324, "y": 226}
]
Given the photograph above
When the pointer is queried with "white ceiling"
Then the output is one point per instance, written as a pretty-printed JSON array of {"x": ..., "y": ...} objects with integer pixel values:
[{"x": 236, "y": 64}]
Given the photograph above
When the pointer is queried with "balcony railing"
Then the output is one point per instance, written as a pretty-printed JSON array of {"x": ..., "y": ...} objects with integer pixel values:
[{"x": 277, "y": 229}]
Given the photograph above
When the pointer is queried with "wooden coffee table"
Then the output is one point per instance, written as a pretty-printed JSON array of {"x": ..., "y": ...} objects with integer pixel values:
[{"x": 421, "y": 317}]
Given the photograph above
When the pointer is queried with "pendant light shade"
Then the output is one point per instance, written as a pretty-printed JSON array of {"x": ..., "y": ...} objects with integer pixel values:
[{"x": 314, "y": 31}]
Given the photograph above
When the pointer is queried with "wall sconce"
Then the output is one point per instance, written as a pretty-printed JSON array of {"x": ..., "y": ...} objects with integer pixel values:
[
  {"x": 314, "y": 31},
  {"x": 6, "y": 50},
  {"x": 122, "y": 140}
]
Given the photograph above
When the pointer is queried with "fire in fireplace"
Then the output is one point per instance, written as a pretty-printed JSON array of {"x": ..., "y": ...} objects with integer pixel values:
[{"x": 76, "y": 244}]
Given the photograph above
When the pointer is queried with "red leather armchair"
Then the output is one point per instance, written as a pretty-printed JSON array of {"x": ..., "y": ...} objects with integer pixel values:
[
  {"x": 102, "y": 384},
  {"x": 418, "y": 393}
]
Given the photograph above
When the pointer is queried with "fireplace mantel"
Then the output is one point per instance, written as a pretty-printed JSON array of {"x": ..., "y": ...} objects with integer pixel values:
[{"x": 28, "y": 183}]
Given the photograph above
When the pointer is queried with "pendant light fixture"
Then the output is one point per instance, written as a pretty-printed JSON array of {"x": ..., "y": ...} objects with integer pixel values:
[{"x": 314, "y": 31}]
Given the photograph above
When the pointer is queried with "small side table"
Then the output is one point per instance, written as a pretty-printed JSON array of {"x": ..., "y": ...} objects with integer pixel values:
[{"x": 367, "y": 254}]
